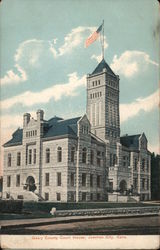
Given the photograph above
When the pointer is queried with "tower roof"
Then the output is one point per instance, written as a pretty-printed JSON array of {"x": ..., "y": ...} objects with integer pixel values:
[{"x": 101, "y": 66}]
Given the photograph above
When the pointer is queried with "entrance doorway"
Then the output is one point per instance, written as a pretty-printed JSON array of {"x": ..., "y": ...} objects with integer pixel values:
[
  {"x": 123, "y": 186},
  {"x": 30, "y": 184}
]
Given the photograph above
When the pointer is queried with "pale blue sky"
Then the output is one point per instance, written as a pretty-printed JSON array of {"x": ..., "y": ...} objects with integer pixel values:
[{"x": 42, "y": 48}]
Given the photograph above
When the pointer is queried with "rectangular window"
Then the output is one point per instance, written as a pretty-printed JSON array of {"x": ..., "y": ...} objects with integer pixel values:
[
  {"x": 91, "y": 196},
  {"x": 8, "y": 181},
  {"x": 18, "y": 159},
  {"x": 91, "y": 180},
  {"x": 98, "y": 158},
  {"x": 72, "y": 154},
  {"x": 135, "y": 182},
  {"x": 58, "y": 196},
  {"x": 34, "y": 156},
  {"x": 47, "y": 155},
  {"x": 110, "y": 159},
  {"x": 110, "y": 186},
  {"x": 58, "y": 179},
  {"x": 46, "y": 196},
  {"x": 18, "y": 180},
  {"x": 83, "y": 180},
  {"x": 143, "y": 165},
  {"x": 72, "y": 179},
  {"x": 84, "y": 196},
  {"x": 72, "y": 196},
  {"x": 30, "y": 156},
  {"x": 9, "y": 160},
  {"x": 135, "y": 164},
  {"x": 98, "y": 181},
  {"x": 98, "y": 196},
  {"x": 47, "y": 179},
  {"x": 143, "y": 183}
]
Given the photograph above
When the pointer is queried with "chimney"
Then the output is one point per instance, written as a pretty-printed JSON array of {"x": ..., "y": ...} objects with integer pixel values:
[
  {"x": 26, "y": 119},
  {"x": 40, "y": 115}
]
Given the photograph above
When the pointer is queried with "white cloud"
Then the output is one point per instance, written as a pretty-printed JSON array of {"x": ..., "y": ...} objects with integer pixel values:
[
  {"x": 146, "y": 104},
  {"x": 29, "y": 98},
  {"x": 74, "y": 39},
  {"x": 131, "y": 63},
  {"x": 27, "y": 52},
  {"x": 97, "y": 58},
  {"x": 12, "y": 78}
]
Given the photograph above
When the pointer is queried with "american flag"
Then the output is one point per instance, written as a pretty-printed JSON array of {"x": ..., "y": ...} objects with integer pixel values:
[{"x": 93, "y": 37}]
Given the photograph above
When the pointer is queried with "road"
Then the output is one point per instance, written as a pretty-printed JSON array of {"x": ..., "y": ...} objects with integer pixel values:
[{"x": 119, "y": 226}]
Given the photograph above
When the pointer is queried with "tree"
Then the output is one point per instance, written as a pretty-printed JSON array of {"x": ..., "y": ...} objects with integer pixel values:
[{"x": 155, "y": 177}]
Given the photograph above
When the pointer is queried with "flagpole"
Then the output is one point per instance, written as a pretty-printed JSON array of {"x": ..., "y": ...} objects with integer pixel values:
[{"x": 103, "y": 42}]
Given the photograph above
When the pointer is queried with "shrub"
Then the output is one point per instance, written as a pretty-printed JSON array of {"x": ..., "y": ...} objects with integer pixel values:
[{"x": 11, "y": 206}]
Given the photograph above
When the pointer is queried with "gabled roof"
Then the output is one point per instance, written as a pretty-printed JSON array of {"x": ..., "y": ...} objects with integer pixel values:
[
  {"x": 16, "y": 138},
  {"x": 61, "y": 127},
  {"x": 103, "y": 65},
  {"x": 130, "y": 141},
  {"x": 54, "y": 127}
]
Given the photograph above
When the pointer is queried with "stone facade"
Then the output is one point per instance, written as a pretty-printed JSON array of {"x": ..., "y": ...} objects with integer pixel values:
[{"x": 79, "y": 159}]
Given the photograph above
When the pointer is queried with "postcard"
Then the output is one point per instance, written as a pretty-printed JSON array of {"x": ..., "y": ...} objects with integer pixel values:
[{"x": 79, "y": 105}]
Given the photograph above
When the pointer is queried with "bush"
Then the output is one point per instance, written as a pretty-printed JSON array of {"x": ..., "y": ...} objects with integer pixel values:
[
  {"x": 11, "y": 206},
  {"x": 45, "y": 207}
]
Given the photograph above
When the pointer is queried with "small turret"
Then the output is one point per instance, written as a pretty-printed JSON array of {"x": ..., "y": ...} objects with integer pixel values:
[
  {"x": 26, "y": 119},
  {"x": 40, "y": 115}
]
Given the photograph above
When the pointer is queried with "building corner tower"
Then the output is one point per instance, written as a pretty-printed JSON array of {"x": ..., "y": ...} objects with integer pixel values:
[{"x": 103, "y": 103}]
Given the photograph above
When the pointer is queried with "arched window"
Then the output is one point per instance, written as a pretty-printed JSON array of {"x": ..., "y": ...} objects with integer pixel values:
[
  {"x": 72, "y": 154},
  {"x": 47, "y": 155},
  {"x": 92, "y": 157},
  {"x": 84, "y": 155},
  {"x": 59, "y": 154},
  {"x": 18, "y": 159},
  {"x": 9, "y": 160}
]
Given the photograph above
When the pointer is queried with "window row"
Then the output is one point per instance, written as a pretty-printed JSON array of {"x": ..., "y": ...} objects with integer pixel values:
[
  {"x": 72, "y": 155},
  {"x": 17, "y": 180},
  {"x": 18, "y": 160},
  {"x": 145, "y": 165},
  {"x": 111, "y": 133},
  {"x": 31, "y": 133},
  {"x": 113, "y": 160},
  {"x": 84, "y": 196},
  {"x": 58, "y": 196},
  {"x": 95, "y": 83},
  {"x": 112, "y": 95},
  {"x": 113, "y": 84},
  {"x": 31, "y": 156},
  {"x": 85, "y": 129},
  {"x": 95, "y": 95},
  {"x": 72, "y": 180}
]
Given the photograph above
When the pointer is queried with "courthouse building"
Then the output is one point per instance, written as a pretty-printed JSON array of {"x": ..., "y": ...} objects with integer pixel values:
[{"x": 78, "y": 159}]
